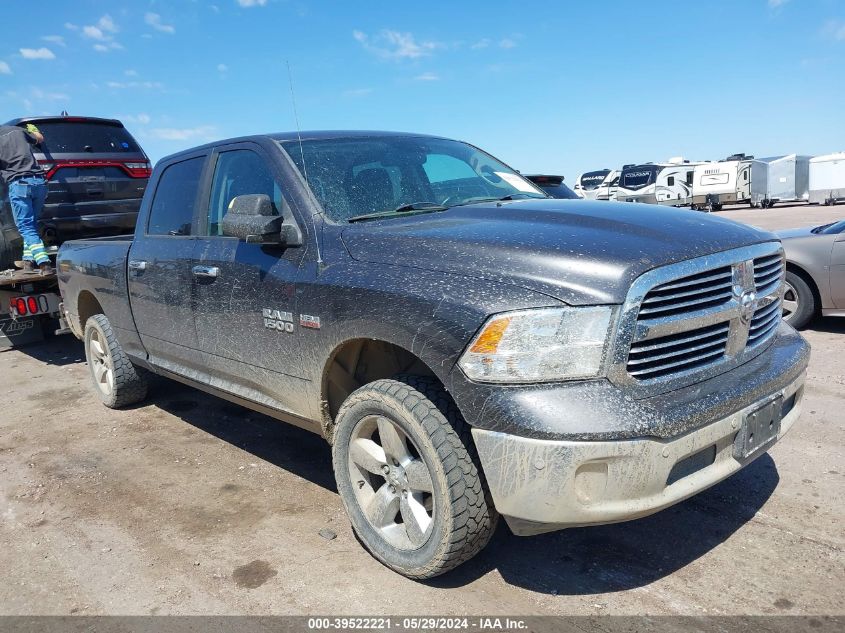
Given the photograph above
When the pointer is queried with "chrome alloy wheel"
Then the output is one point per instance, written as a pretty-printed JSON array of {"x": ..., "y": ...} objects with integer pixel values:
[
  {"x": 101, "y": 364},
  {"x": 392, "y": 483},
  {"x": 790, "y": 300}
]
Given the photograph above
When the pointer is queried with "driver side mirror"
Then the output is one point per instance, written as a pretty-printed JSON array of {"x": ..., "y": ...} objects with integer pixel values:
[{"x": 254, "y": 219}]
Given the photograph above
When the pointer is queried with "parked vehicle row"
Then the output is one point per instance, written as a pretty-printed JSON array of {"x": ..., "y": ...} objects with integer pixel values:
[{"x": 708, "y": 185}]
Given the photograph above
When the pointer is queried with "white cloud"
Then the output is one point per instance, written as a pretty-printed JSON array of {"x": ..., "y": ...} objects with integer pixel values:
[
  {"x": 102, "y": 33},
  {"x": 130, "y": 73},
  {"x": 214, "y": 8},
  {"x": 357, "y": 92},
  {"x": 4, "y": 69},
  {"x": 144, "y": 85},
  {"x": 427, "y": 77},
  {"x": 395, "y": 45},
  {"x": 38, "y": 93},
  {"x": 54, "y": 39},
  {"x": 482, "y": 43},
  {"x": 222, "y": 68},
  {"x": 252, "y": 3},
  {"x": 107, "y": 24},
  {"x": 507, "y": 43},
  {"x": 202, "y": 132},
  {"x": 70, "y": 26},
  {"x": 140, "y": 119},
  {"x": 37, "y": 53},
  {"x": 774, "y": 4},
  {"x": 94, "y": 33},
  {"x": 154, "y": 20},
  {"x": 834, "y": 29}
]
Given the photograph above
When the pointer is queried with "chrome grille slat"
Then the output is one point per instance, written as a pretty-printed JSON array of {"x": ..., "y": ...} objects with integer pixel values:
[
  {"x": 679, "y": 365},
  {"x": 715, "y": 299},
  {"x": 692, "y": 324},
  {"x": 720, "y": 274},
  {"x": 660, "y": 298},
  {"x": 717, "y": 343},
  {"x": 668, "y": 341}
]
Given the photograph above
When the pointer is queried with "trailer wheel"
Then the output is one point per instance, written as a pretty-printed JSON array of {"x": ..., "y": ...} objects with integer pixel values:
[
  {"x": 799, "y": 301},
  {"x": 409, "y": 478},
  {"x": 117, "y": 381}
]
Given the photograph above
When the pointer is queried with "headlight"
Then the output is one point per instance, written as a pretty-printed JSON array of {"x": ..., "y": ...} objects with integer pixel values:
[{"x": 539, "y": 345}]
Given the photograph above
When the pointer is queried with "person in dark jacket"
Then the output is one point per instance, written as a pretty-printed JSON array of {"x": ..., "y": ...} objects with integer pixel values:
[{"x": 27, "y": 190}]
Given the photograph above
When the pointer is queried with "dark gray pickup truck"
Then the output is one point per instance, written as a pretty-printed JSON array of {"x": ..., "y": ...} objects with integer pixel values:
[{"x": 466, "y": 345}]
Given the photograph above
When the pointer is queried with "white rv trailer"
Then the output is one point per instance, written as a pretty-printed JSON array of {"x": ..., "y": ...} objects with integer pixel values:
[
  {"x": 779, "y": 179},
  {"x": 725, "y": 182},
  {"x": 827, "y": 179},
  {"x": 667, "y": 183},
  {"x": 609, "y": 186},
  {"x": 587, "y": 183}
]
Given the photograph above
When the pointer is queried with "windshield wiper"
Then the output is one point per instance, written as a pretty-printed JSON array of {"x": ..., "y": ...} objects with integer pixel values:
[
  {"x": 429, "y": 207},
  {"x": 510, "y": 196}
]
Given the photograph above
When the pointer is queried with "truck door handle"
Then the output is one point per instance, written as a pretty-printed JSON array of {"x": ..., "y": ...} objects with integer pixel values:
[
  {"x": 135, "y": 264},
  {"x": 206, "y": 272}
]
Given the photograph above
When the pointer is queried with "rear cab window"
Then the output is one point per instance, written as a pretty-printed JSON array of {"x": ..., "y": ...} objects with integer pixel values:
[{"x": 172, "y": 210}]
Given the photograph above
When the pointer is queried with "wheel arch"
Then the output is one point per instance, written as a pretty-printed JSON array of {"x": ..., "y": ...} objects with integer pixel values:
[
  {"x": 358, "y": 361},
  {"x": 87, "y": 305}
]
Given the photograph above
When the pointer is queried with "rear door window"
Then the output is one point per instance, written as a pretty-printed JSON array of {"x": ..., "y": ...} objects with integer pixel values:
[
  {"x": 80, "y": 138},
  {"x": 172, "y": 211}
]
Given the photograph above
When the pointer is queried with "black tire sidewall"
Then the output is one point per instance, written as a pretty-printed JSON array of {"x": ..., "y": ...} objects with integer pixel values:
[
  {"x": 806, "y": 301},
  {"x": 407, "y": 561}
]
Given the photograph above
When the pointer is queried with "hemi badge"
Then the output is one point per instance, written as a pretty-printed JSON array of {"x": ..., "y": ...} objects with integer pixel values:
[{"x": 306, "y": 320}]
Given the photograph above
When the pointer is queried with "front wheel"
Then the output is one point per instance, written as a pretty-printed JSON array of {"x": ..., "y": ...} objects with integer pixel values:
[
  {"x": 116, "y": 380},
  {"x": 799, "y": 302},
  {"x": 408, "y": 477}
]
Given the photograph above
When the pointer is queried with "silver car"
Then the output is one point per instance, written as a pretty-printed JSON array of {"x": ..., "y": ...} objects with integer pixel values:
[{"x": 815, "y": 273}]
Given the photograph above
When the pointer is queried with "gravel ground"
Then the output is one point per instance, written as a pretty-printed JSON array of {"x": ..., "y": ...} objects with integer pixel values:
[{"x": 190, "y": 505}]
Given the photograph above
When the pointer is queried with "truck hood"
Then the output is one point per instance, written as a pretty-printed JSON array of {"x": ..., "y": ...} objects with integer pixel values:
[{"x": 577, "y": 251}]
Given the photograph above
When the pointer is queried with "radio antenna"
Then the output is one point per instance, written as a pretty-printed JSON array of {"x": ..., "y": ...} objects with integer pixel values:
[
  {"x": 302, "y": 152},
  {"x": 296, "y": 120}
]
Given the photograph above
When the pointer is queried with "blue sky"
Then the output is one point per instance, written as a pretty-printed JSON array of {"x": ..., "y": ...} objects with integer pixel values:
[{"x": 548, "y": 87}]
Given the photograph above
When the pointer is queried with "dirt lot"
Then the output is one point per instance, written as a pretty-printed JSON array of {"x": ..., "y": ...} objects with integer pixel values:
[{"x": 188, "y": 504}]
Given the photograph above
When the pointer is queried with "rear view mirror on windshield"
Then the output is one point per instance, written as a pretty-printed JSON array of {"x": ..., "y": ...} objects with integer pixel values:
[{"x": 254, "y": 219}]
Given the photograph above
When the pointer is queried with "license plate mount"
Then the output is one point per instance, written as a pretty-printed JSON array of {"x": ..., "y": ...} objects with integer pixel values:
[{"x": 759, "y": 430}]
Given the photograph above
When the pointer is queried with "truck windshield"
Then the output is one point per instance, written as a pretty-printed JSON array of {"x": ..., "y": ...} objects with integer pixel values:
[{"x": 353, "y": 177}]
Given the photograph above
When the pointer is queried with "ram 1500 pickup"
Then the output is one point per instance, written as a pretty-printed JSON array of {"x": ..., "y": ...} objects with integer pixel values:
[{"x": 469, "y": 347}]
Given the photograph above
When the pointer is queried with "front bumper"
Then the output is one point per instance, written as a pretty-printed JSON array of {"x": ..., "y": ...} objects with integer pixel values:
[{"x": 541, "y": 485}]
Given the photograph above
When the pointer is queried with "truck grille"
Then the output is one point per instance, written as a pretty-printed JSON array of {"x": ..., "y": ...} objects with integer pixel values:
[{"x": 690, "y": 320}]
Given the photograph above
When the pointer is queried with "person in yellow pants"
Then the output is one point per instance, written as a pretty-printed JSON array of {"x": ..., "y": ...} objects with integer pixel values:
[{"x": 27, "y": 190}]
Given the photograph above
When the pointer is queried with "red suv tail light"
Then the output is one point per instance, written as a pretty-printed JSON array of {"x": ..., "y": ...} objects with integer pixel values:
[{"x": 138, "y": 170}]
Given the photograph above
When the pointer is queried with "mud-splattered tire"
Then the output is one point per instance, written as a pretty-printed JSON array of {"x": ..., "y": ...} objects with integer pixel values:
[
  {"x": 116, "y": 380},
  {"x": 408, "y": 433}
]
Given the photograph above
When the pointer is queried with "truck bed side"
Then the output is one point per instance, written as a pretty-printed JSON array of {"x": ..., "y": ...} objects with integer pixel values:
[{"x": 92, "y": 278}]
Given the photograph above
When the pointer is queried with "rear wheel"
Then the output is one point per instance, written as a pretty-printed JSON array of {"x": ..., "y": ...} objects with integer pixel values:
[
  {"x": 799, "y": 301},
  {"x": 409, "y": 478},
  {"x": 116, "y": 380}
]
